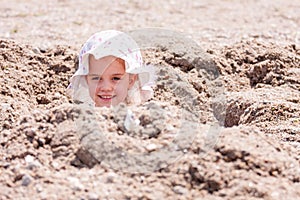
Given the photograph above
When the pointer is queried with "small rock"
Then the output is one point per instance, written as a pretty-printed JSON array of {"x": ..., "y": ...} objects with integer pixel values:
[
  {"x": 5, "y": 106},
  {"x": 275, "y": 195},
  {"x": 57, "y": 95},
  {"x": 142, "y": 179},
  {"x": 111, "y": 176},
  {"x": 170, "y": 127},
  {"x": 39, "y": 188},
  {"x": 131, "y": 123},
  {"x": 36, "y": 50},
  {"x": 93, "y": 196},
  {"x": 26, "y": 180},
  {"x": 179, "y": 189},
  {"x": 77, "y": 185},
  {"x": 42, "y": 99},
  {"x": 29, "y": 159},
  {"x": 55, "y": 164},
  {"x": 41, "y": 141},
  {"x": 30, "y": 132},
  {"x": 6, "y": 133},
  {"x": 151, "y": 147},
  {"x": 7, "y": 34},
  {"x": 32, "y": 162},
  {"x": 45, "y": 195},
  {"x": 4, "y": 164}
]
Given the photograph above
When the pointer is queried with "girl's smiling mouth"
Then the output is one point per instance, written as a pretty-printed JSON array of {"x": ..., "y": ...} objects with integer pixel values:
[{"x": 106, "y": 97}]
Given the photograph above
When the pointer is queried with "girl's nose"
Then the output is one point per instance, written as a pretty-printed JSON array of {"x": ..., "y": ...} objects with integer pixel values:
[{"x": 105, "y": 85}]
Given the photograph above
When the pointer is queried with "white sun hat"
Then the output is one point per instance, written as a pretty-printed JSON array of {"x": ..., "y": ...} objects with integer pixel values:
[{"x": 121, "y": 45}]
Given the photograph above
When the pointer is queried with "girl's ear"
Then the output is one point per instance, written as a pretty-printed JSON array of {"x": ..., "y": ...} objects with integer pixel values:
[{"x": 132, "y": 79}]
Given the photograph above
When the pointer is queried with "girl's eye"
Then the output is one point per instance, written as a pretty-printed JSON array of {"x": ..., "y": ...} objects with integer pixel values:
[
  {"x": 95, "y": 78},
  {"x": 116, "y": 78}
]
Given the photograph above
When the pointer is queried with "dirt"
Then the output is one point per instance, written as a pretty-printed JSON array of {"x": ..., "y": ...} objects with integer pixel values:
[{"x": 223, "y": 123}]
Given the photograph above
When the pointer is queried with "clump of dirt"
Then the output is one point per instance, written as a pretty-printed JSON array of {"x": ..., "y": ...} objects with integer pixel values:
[
  {"x": 175, "y": 143},
  {"x": 263, "y": 88},
  {"x": 253, "y": 64},
  {"x": 32, "y": 78}
]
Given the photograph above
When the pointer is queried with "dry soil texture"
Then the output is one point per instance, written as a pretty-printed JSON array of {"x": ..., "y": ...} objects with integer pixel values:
[{"x": 224, "y": 122}]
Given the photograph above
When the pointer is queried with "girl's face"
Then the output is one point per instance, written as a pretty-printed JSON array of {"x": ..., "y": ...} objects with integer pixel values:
[{"x": 107, "y": 80}]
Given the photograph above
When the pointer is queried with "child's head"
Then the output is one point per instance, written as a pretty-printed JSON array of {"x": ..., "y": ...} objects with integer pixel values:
[
  {"x": 111, "y": 71},
  {"x": 108, "y": 81}
]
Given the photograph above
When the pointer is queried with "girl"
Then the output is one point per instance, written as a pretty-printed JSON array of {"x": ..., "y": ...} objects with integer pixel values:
[{"x": 111, "y": 71}]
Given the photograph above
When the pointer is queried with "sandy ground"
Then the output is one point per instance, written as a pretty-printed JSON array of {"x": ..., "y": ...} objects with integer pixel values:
[{"x": 223, "y": 124}]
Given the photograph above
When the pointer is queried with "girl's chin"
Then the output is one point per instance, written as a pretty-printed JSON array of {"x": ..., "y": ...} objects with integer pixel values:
[
  {"x": 108, "y": 106},
  {"x": 106, "y": 103}
]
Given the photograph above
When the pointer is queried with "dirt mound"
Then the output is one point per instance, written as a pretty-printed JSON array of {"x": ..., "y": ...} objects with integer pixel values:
[
  {"x": 45, "y": 155},
  {"x": 262, "y": 81}
]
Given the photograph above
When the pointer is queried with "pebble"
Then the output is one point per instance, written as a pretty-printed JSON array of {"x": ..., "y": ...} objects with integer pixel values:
[
  {"x": 111, "y": 176},
  {"x": 36, "y": 50},
  {"x": 179, "y": 189},
  {"x": 4, "y": 164},
  {"x": 130, "y": 122},
  {"x": 31, "y": 162},
  {"x": 170, "y": 127},
  {"x": 55, "y": 164},
  {"x": 93, "y": 196},
  {"x": 5, "y": 106},
  {"x": 151, "y": 147},
  {"x": 30, "y": 132},
  {"x": 29, "y": 159},
  {"x": 26, "y": 180},
  {"x": 275, "y": 195},
  {"x": 77, "y": 185},
  {"x": 6, "y": 132},
  {"x": 56, "y": 95},
  {"x": 45, "y": 196},
  {"x": 39, "y": 188}
]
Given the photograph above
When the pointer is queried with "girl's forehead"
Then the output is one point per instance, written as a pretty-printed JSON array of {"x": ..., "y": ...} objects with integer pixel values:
[
  {"x": 107, "y": 65},
  {"x": 106, "y": 59}
]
